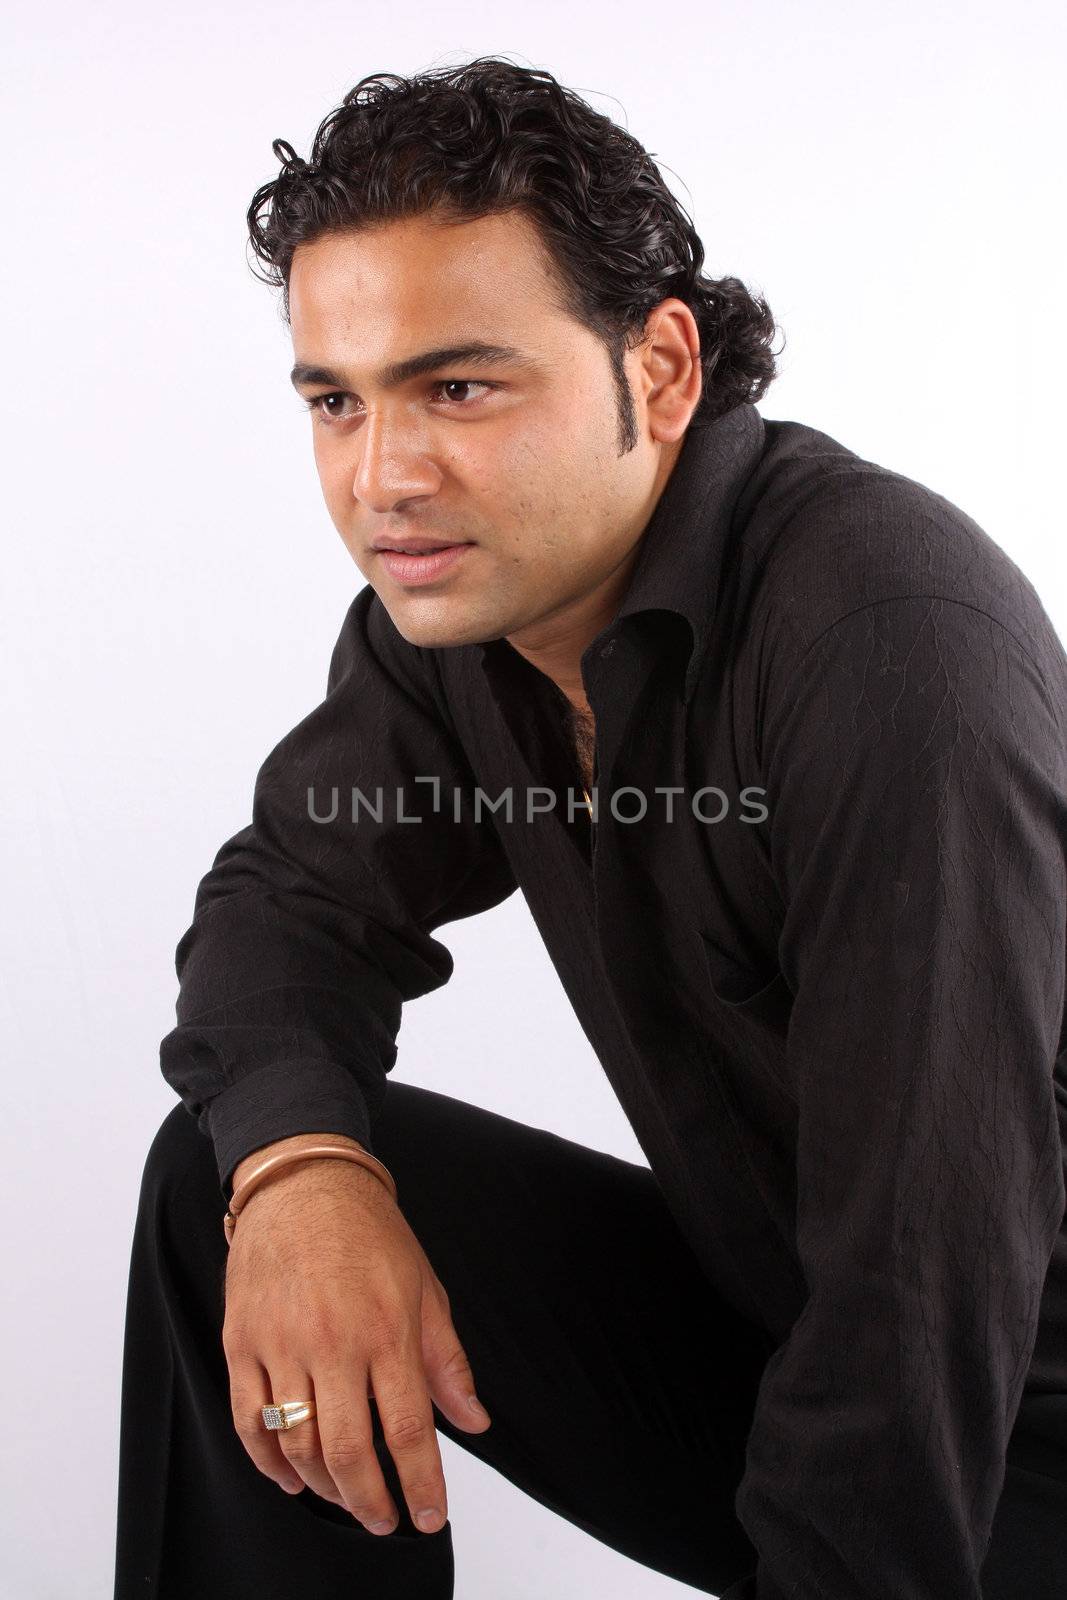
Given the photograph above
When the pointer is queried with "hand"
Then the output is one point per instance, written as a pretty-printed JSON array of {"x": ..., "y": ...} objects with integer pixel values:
[{"x": 330, "y": 1296}]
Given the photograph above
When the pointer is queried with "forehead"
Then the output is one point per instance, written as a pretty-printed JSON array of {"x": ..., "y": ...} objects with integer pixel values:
[{"x": 399, "y": 282}]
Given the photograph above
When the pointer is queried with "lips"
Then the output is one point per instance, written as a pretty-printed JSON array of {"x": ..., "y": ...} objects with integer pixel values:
[
  {"x": 426, "y": 566},
  {"x": 417, "y": 547}
]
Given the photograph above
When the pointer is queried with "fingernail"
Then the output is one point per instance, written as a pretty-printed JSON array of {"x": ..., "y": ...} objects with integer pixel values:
[
  {"x": 292, "y": 1485},
  {"x": 382, "y": 1527},
  {"x": 428, "y": 1521},
  {"x": 476, "y": 1406}
]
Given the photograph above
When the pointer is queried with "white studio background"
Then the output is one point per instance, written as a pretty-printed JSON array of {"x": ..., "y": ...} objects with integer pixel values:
[{"x": 890, "y": 178}]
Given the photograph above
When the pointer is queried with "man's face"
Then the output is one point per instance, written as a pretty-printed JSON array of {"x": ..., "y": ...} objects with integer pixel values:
[{"x": 517, "y": 458}]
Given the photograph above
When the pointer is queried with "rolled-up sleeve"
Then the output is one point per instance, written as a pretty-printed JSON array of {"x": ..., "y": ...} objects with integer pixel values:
[
  {"x": 917, "y": 792},
  {"x": 314, "y": 923}
]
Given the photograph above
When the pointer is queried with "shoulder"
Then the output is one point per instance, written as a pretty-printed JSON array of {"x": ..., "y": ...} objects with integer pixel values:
[{"x": 829, "y": 534}]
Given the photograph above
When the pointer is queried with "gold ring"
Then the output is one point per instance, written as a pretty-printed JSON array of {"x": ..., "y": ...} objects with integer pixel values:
[{"x": 288, "y": 1413}]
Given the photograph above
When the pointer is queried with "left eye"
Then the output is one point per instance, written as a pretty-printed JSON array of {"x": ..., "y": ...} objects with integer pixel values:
[{"x": 462, "y": 383}]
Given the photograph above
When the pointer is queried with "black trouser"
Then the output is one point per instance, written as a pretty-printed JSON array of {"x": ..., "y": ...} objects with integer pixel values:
[{"x": 620, "y": 1385}]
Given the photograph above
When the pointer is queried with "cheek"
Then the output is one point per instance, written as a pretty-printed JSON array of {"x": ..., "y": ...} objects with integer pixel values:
[
  {"x": 331, "y": 449},
  {"x": 336, "y": 477}
]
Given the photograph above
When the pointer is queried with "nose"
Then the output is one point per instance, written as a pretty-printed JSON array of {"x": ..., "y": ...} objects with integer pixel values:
[{"x": 393, "y": 464}]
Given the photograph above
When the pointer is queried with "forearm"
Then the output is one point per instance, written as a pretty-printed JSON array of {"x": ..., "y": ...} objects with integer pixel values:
[
  {"x": 916, "y": 776},
  {"x": 307, "y": 939}
]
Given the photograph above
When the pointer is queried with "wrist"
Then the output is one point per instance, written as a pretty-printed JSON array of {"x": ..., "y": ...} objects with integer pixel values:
[
  {"x": 288, "y": 1154},
  {"x": 293, "y": 1142}
]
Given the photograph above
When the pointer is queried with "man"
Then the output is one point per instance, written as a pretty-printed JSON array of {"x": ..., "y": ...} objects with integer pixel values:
[{"x": 772, "y": 741}]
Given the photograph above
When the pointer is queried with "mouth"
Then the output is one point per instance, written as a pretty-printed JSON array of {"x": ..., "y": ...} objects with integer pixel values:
[
  {"x": 413, "y": 566},
  {"x": 416, "y": 545}
]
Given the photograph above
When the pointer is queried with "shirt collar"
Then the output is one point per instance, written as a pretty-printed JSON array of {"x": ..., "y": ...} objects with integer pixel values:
[{"x": 679, "y": 563}]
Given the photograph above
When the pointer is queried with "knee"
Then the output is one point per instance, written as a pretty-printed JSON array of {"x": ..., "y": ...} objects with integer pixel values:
[
  {"x": 178, "y": 1250},
  {"x": 180, "y": 1170}
]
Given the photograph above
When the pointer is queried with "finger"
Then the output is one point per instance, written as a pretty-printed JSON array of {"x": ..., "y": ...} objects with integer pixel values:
[
  {"x": 249, "y": 1393},
  {"x": 347, "y": 1434},
  {"x": 448, "y": 1372},
  {"x": 300, "y": 1444},
  {"x": 406, "y": 1415}
]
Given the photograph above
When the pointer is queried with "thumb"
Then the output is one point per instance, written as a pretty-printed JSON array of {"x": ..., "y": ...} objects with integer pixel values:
[{"x": 448, "y": 1372}]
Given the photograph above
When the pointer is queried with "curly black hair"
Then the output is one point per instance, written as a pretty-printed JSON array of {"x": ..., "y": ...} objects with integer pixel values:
[{"x": 488, "y": 137}]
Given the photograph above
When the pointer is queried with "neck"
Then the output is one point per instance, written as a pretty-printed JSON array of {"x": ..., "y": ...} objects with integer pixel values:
[{"x": 555, "y": 644}]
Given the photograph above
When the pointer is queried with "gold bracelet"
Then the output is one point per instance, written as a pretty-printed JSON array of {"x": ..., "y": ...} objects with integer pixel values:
[{"x": 282, "y": 1158}]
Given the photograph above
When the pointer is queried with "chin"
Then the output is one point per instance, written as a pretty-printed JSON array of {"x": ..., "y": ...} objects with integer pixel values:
[{"x": 420, "y": 622}]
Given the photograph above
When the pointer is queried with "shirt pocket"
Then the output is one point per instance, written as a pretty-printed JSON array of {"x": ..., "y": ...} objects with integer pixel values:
[{"x": 757, "y": 993}]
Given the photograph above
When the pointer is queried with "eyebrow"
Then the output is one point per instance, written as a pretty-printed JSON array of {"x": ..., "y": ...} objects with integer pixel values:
[{"x": 476, "y": 353}]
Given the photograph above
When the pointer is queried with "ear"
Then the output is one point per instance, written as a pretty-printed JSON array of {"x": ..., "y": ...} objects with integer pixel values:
[{"x": 669, "y": 373}]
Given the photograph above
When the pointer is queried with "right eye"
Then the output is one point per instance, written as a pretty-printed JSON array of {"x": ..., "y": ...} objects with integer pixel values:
[{"x": 318, "y": 406}]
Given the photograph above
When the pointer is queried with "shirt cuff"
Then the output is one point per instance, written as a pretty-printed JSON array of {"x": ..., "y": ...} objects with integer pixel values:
[{"x": 275, "y": 1102}]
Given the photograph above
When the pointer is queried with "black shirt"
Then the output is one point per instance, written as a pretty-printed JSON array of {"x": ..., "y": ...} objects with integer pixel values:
[{"x": 828, "y": 991}]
